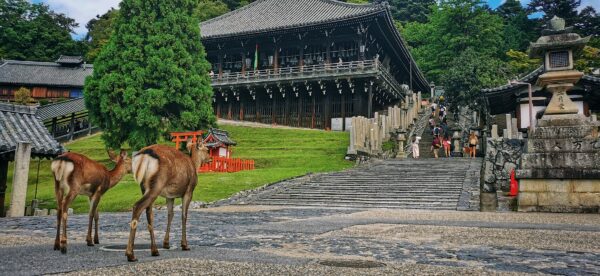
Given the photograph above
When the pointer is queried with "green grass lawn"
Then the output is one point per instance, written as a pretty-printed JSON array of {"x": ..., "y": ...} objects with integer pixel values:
[{"x": 279, "y": 154}]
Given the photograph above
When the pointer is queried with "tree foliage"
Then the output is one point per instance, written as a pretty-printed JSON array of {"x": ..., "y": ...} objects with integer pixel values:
[
  {"x": 34, "y": 32},
  {"x": 23, "y": 96},
  {"x": 411, "y": 10},
  {"x": 520, "y": 64},
  {"x": 208, "y": 9},
  {"x": 152, "y": 76},
  {"x": 99, "y": 31}
]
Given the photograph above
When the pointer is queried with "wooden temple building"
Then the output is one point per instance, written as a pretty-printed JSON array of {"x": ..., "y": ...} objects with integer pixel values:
[
  {"x": 305, "y": 62},
  {"x": 513, "y": 99},
  {"x": 59, "y": 80}
]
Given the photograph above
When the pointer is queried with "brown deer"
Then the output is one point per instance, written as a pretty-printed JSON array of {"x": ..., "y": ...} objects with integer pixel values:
[
  {"x": 75, "y": 174},
  {"x": 165, "y": 171}
]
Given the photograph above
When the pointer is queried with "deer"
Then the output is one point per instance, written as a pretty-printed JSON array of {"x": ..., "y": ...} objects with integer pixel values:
[
  {"x": 76, "y": 174},
  {"x": 165, "y": 171}
]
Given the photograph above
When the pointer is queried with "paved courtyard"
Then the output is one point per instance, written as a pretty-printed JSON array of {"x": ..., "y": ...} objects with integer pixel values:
[{"x": 260, "y": 240}]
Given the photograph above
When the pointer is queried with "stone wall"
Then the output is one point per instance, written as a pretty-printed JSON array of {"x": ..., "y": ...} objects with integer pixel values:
[
  {"x": 501, "y": 157},
  {"x": 555, "y": 195}
]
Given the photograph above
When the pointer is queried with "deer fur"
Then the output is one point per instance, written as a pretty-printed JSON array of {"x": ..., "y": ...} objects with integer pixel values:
[
  {"x": 165, "y": 171},
  {"x": 75, "y": 174}
]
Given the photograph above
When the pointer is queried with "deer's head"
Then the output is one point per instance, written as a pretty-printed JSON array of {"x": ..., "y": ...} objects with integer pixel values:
[
  {"x": 122, "y": 159},
  {"x": 199, "y": 152}
]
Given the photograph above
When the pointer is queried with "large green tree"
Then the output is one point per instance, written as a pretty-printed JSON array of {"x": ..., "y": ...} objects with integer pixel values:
[
  {"x": 34, "y": 32},
  {"x": 454, "y": 25},
  {"x": 152, "y": 76},
  {"x": 519, "y": 30},
  {"x": 411, "y": 10},
  {"x": 99, "y": 31},
  {"x": 208, "y": 9},
  {"x": 566, "y": 9}
]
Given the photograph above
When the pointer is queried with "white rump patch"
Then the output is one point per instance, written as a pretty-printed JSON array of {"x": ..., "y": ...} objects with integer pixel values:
[
  {"x": 144, "y": 166},
  {"x": 62, "y": 169}
]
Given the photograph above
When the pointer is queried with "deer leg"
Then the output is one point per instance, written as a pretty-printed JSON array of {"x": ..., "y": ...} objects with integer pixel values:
[
  {"x": 59, "y": 198},
  {"x": 187, "y": 198},
  {"x": 96, "y": 218},
  {"x": 150, "y": 218},
  {"x": 64, "y": 210},
  {"x": 139, "y": 206},
  {"x": 88, "y": 237},
  {"x": 170, "y": 202}
]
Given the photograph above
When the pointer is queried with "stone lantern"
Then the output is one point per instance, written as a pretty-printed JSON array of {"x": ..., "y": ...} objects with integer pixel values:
[
  {"x": 557, "y": 46},
  {"x": 401, "y": 137},
  {"x": 456, "y": 142},
  {"x": 559, "y": 171}
]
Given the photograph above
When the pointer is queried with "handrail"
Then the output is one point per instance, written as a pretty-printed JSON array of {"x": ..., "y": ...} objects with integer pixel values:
[{"x": 373, "y": 66}]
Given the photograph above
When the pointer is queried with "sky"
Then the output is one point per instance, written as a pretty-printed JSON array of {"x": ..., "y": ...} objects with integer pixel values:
[{"x": 84, "y": 10}]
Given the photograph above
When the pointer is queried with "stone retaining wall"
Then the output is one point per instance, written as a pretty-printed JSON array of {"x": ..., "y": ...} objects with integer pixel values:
[{"x": 501, "y": 158}]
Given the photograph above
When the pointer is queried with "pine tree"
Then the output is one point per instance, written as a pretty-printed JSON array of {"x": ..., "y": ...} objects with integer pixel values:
[{"x": 152, "y": 76}]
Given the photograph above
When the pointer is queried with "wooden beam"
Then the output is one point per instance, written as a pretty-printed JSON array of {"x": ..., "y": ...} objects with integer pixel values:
[
  {"x": 3, "y": 178},
  {"x": 370, "y": 101}
]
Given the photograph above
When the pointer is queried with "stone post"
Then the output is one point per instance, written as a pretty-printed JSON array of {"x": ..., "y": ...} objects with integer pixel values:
[
  {"x": 514, "y": 130},
  {"x": 508, "y": 126},
  {"x": 494, "y": 131},
  {"x": 352, "y": 147},
  {"x": 21, "y": 174},
  {"x": 401, "y": 139}
]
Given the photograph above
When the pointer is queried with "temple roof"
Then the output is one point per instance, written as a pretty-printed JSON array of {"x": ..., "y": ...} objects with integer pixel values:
[
  {"x": 269, "y": 15},
  {"x": 59, "y": 109},
  {"x": 216, "y": 137},
  {"x": 31, "y": 73},
  {"x": 19, "y": 124}
]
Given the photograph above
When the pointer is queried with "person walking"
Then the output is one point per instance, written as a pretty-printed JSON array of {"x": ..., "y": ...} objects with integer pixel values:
[
  {"x": 436, "y": 145},
  {"x": 473, "y": 141},
  {"x": 415, "y": 146},
  {"x": 446, "y": 143}
]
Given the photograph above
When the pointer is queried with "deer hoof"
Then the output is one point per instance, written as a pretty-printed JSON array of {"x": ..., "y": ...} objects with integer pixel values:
[
  {"x": 131, "y": 258},
  {"x": 155, "y": 253},
  {"x": 63, "y": 250},
  {"x": 96, "y": 241},
  {"x": 166, "y": 245},
  {"x": 90, "y": 243},
  {"x": 56, "y": 247},
  {"x": 185, "y": 247}
]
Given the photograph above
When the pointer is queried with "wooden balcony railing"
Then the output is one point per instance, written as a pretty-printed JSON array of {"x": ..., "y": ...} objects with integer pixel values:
[{"x": 333, "y": 70}]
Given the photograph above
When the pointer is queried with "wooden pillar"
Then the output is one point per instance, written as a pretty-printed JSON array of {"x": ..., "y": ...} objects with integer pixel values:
[
  {"x": 72, "y": 126},
  {"x": 300, "y": 110},
  {"x": 21, "y": 174},
  {"x": 314, "y": 101},
  {"x": 257, "y": 118},
  {"x": 229, "y": 111},
  {"x": 3, "y": 178},
  {"x": 370, "y": 101},
  {"x": 301, "y": 60},
  {"x": 276, "y": 60},
  {"x": 287, "y": 110},
  {"x": 243, "y": 61},
  {"x": 241, "y": 110},
  {"x": 343, "y": 111},
  {"x": 220, "y": 64},
  {"x": 273, "y": 113},
  {"x": 360, "y": 103},
  {"x": 327, "y": 110}
]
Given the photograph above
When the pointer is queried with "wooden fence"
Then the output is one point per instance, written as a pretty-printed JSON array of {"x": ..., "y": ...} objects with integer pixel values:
[{"x": 223, "y": 164}]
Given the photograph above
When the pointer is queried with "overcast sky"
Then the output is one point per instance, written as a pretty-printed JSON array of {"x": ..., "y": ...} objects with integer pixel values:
[{"x": 84, "y": 10}]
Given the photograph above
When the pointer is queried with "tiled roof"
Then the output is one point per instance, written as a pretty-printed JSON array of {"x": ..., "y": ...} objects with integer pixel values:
[
  {"x": 19, "y": 123},
  {"x": 221, "y": 136},
  {"x": 527, "y": 78},
  {"x": 59, "y": 109},
  {"x": 13, "y": 72},
  {"x": 70, "y": 60},
  {"x": 268, "y": 15}
]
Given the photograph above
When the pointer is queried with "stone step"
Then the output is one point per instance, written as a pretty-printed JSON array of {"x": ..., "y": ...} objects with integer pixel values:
[
  {"x": 363, "y": 205},
  {"x": 371, "y": 198},
  {"x": 360, "y": 201}
]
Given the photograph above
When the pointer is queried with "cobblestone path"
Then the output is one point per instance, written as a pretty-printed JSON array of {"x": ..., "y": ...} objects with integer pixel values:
[{"x": 283, "y": 240}]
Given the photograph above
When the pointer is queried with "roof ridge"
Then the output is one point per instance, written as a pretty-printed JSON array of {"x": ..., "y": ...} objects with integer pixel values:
[
  {"x": 231, "y": 13},
  {"x": 62, "y": 102},
  {"x": 14, "y": 108},
  {"x": 354, "y": 5},
  {"x": 29, "y": 62}
]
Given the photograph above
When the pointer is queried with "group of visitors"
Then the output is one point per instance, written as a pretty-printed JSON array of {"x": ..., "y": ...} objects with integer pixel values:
[{"x": 438, "y": 126}]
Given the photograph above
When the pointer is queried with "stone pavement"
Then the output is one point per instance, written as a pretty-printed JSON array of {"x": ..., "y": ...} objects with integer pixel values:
[{"x": 260, "y": 240}]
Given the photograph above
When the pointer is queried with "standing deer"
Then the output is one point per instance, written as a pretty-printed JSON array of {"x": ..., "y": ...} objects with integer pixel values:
[
  {"x": 165, "y": 171},
  {"x": 75, "y": 174}
]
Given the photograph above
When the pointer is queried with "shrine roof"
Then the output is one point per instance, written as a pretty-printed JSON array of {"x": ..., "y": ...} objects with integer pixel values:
[
  {"x": 20, "y": 124},
  {"x": 269, "y": 15},
  {"x": 15, "y": 72},
  {"x": 221, "y": 136}
]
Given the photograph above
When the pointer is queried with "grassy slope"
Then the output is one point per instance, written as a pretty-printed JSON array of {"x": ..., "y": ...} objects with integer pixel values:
[{"x": 279, "y": 154}]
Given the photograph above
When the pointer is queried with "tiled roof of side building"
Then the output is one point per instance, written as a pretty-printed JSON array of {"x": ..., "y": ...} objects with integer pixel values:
[
  {"x": 14, "y": 72},
  {"x": 59, "y": 109},
  {"x": 269, "y": 15},
  {"x": 221, "y": 136},
  {"x": 19, "y": 124}
]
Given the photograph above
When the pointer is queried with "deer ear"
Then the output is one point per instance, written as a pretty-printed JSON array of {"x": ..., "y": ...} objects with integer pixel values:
[{"x": 112, "y": 155}]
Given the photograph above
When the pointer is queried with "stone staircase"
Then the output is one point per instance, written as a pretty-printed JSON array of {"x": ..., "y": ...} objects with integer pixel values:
[{"x": 405, "y": 184}]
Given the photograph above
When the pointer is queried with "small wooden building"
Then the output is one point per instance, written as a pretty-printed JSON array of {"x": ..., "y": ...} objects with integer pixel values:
[
  {"x": 218, "y": 142},
  {"x": 20, "y": 124},
  {"x": 513, "y": 98},
  {"x": 62, "y": 79}
]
